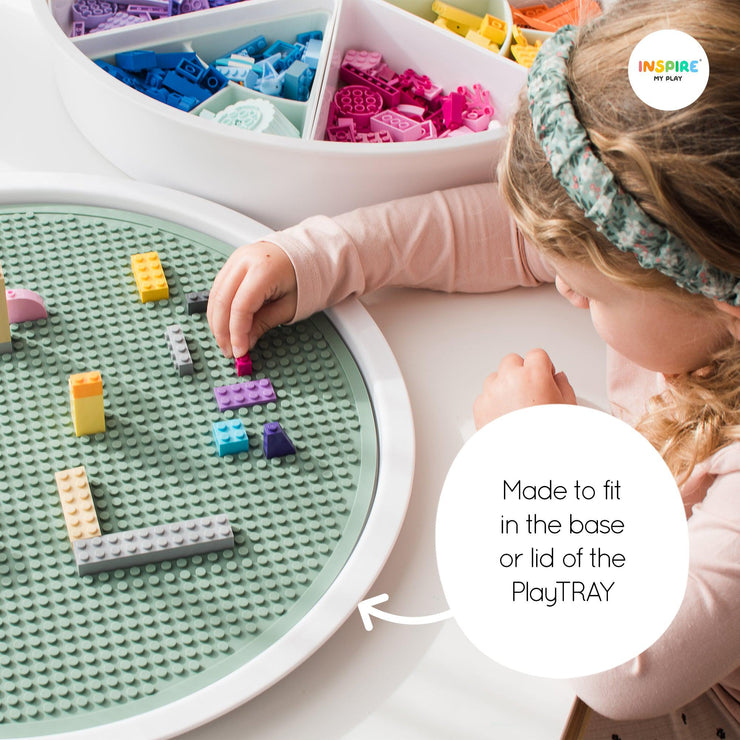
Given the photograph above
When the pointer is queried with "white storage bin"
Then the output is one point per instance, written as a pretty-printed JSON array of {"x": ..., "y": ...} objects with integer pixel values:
[{"x": 280, "y": 180}]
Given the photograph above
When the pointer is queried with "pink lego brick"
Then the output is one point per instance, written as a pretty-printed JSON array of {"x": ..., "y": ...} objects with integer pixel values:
[
  {"x": 419, "y": 85},
  {"x": 353, "y": 76},
  {"x": 365, "y": 60},
  {"x": 358, "y": 103},
  {"x": 477, "y": 120},
  {"x": 397, "y": 125},
  {"x": 429, "y": 129},
  {"x": 243, "y": 365},
  {"x": 374, "y": 137},
  {"x": 24, "y": 305},
  {"x": 238, "y": 395},
  {"x": 416, "y": 112}
]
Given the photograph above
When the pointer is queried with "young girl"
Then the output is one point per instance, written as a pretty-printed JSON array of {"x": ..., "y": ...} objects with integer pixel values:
[{"x": 635, "y": 214}]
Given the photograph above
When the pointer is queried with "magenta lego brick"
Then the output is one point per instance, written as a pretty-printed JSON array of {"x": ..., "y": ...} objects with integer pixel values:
[
  {"x": 359, "y": 103},
  {"x": 352, "y": 76},
  {"x": 341, "y": 133},
  {"x": 239, "y": 395},
  {"x": 243, "y": 365},
  {"x": 452, "y": 109}
]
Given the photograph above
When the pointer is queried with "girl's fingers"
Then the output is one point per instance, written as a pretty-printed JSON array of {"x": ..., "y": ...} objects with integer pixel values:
[
  {"x": 222, "y": 294},
  {"x": 269, "y": 316},
  {"x": 565, "y": 388},
  {"x": 539, "y": 359},
  {"x": 256, "y": 289}
]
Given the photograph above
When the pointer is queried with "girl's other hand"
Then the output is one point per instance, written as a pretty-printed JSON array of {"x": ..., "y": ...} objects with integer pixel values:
[
  {"x": 254, "y": 291},
  {"x": 521, "y": 382}
]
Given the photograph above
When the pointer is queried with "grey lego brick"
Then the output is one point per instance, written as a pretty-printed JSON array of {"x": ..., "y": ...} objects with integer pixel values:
[
  {"x": 153, "y": 544},
  {"x": 179, "y": 351},
  {"x": 197, "y": 302},
  {"x": 6, "y": 348}
]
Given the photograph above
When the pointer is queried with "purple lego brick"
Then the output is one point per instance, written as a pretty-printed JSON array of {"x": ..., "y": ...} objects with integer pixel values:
[
  {"x": 359, "y": 103},
  {"x": 78, "y": 29},
  {"x": 190, "y": 6},
  {"x": 275, "y": 442},
  {"x": 152, "y": 11},
  {"x": 238, "y": 395},
  {"x": 352, "y": 76},
  {"x": 243, "y": 365},
  {"x": 92, "y": 12},
  {"x": 120, "y": 20}
]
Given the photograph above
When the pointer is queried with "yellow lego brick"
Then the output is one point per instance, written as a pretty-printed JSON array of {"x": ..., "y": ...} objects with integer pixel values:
[
  {"x": 449, "y": 25},
  {"x": 518, "y": 37},
  {"x": 149, "y": 275},
  {"x": 524, "y": 54},
  {"x": 88, "y": 415},
  {"x": 493, "y": 29},
  {"x": 4, "y": 322},
  {"x": 477, "y": 38},
  {"x": 456, "y": 15},
  {"x": 82, "y": 385},
  {"x": 77, "y": 504}
]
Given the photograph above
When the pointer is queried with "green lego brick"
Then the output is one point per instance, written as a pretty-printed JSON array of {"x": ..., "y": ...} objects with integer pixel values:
[{"x": 82, "y": 651}]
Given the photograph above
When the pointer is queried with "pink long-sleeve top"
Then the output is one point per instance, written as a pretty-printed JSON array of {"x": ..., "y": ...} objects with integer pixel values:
[{"x": 465, "y": 240}]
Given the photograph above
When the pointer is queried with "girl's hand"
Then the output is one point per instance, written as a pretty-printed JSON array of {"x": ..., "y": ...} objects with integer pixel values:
[
  {"x": 254, "y": 291},
  {"x": 521, "y": 382}
]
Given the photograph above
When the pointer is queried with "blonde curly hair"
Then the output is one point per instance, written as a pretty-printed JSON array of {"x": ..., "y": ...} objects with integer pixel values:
[{"x": 682, "y": 167}]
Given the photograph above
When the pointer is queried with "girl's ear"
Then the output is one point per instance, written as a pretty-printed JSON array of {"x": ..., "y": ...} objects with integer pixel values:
[{"x": 733, "y": 312}]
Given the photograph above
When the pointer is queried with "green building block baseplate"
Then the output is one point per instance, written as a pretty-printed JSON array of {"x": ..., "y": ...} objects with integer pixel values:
[{"x": 127, "y": 650}]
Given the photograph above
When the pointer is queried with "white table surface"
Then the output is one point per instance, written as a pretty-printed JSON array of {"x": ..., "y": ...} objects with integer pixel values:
[{"x": 409, "y": 683}]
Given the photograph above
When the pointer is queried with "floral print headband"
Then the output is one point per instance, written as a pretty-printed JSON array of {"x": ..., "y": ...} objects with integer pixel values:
[{"x": 594, "y": 188}]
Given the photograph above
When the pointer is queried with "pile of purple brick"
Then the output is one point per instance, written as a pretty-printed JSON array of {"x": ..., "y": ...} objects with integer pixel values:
[
  {"x": 89, "y": 16},
  {"x": 378, "y": 104}
]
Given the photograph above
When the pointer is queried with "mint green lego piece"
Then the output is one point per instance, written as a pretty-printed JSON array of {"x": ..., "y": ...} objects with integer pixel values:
[{"x": 83, "y": 651}]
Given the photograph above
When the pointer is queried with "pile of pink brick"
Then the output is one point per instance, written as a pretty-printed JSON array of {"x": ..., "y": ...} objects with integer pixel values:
[{"x": 379, "y": 105}]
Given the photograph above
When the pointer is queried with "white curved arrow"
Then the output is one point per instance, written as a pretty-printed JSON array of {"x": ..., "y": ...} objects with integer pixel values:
[{"x": 367, "y": 611}]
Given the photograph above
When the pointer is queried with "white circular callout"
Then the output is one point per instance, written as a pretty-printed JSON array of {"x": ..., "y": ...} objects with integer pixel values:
[{"x": 510, "y": 503}]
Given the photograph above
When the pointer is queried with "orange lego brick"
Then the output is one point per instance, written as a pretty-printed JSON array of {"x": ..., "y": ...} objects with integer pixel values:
[
  {"x": 84, "y": 385},
  {"x": 149, "y": 275},
  {"x": 521, "y": 16},
  {"x": 570, "y": 11},
  {"x": 77, "y": 504}
]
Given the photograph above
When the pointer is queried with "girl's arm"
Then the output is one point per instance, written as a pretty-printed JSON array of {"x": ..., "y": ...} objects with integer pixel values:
[
  {"x": 702, "y": 645},
  {"x": 460, "y": 239}
]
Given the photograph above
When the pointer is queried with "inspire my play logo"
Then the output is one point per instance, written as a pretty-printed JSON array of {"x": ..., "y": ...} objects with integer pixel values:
[{"x": 668, "y": 70}]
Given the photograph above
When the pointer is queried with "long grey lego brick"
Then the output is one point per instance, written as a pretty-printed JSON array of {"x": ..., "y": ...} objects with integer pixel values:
[
  {"x": 153, "y": 544},
  {"x": 179, "y": 351}
]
